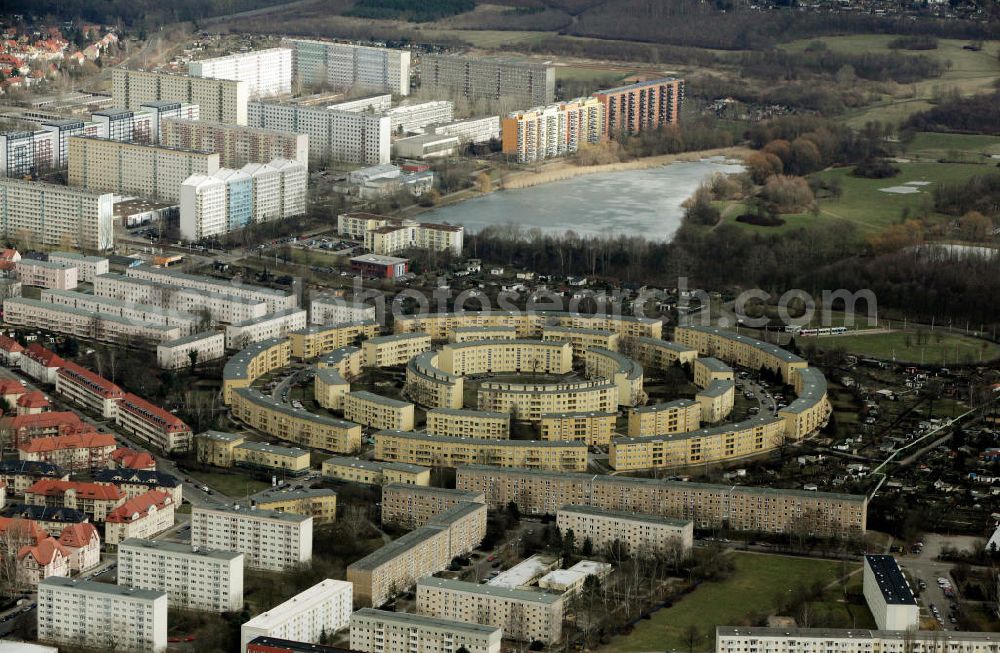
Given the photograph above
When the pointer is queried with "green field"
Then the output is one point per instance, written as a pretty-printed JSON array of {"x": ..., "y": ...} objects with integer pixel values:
[
  {"x": 231, "y": 484},
  {"x": 753, "y": 587},
  {"x": 940, "y": 347},
  {"x": 871, "y": 209},
  {"x": 965, "y": 71},
  {"x": 951, "y": 147}
]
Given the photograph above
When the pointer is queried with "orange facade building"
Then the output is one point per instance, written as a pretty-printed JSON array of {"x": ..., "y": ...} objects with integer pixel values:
[{"x": 643, "y": 105}]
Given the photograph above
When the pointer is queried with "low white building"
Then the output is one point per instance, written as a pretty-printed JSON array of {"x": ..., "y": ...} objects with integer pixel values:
[
  {"x": 190, "y": 350},
  {"x": 102, "y": 616},
  {"x": 47, "y": 274},
  {"x": 194, "y": 578},
  {"x": 888, "y": 594},
  {"x": 399, "y": 632},
  {"x": 326, "y": 309},
  {"x": 272, "y": 325},
  {"x": 87, "y": 267},
  {"x": 271, "y": 540},
  {"x": 425, "y": 146},
  {"x": 323, "y": 609}
]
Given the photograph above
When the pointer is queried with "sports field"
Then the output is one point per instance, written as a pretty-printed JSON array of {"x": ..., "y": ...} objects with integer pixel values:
[
  {"x": 937, "y": 348},
  {"x": 754, "y": 587}
]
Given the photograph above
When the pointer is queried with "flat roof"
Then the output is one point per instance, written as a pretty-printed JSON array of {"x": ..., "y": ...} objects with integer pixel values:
[
  {"x": 102, "y": 588},
  {"x": 320, "y": 328},
  {"x": 524, "y": 572},
  {"x": 622, "y": 515},
  {"x": 762, "y": 420},
  {"x": 364, "y": 395},
  {"x": 259, "y": 398},
  {"x": 294, "y": 606},
  {"x": 254, "y": 512},
  {"x": 637, "y": 85},
  {"x": 572, "y": 329},
  {"x": 625, "y": 364},
  {"x": 713, "y": 364},
  {"x": 199, "y": 278},
  {"x": 469, "y": 412},
  {"x": 110, "y": 317},
  {"x": 395, "y": 548},
  {"x": 274, "y": 495},
  {"x": 774, "y": 350},
  {"x": 531, "y": 596},
  {"x": 194, "y": 337},
  {"x": 430, "y": 490},
  {"x": 267, "y": 447},
  {"x": 277, "y": 315},
  {"x": 236, "y": 366},
  {"x": 492, "y": 342},
  {"x": 179, "y": 547},
  {"x": 421, "y": 435},
  {"x": 678, "y": 485},
  {"x": 330, "y": 376},
  {"x": 118, "y": 303},
  {"x": 890, "y": 579},
  {"x": 580, "y": 414},
  {"x": 717, "y": 388},
  {"x": 418, "y": 620},
  {"x": 374, "y": 466},
  {"x": 666, "y": 344},
  {"x": 75, "y": 256},
  {"x": 378, "y": 259},
  {"x": 222, "y": 436},
  {"x": 667, "y": 405},
  {"x": 52, "y": 265},
  {"x": 414, "y": 335},
  {"x": 813, "y": 389},
  {"x": 149, "y": 283}
]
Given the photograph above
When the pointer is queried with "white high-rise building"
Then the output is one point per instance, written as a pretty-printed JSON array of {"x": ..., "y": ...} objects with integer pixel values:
[
  {"x": 742, "y": 639},
  {"x": 266, "y": 72},
  {"x": 271, "y": 540},
  {"x": 294, "y": 180},
  {"x": 102, "y": 616},
  {"x": 343, "y": 65},
  {"x": 410, "y": 117},
  {"x": 203, "y": 207},
  {"x": 399, "y": 632},
  {"x": 322, "y": 609},
  {"x": 266, "y": 191},
  {"x": 889, "y": 595},
  {"x": 348, "y": 136},
  {"x": 193, "y": 578}
]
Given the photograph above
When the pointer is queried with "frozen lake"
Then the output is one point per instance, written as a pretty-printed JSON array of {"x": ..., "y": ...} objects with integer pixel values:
[{"x": 630, "y": 202}]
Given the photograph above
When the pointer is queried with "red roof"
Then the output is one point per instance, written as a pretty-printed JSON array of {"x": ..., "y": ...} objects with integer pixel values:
[
  {"x": 78, "y": 535},
  {"x": 34, "y": 399},
  {"x": 8, "y": 344},
  {"x": 72, "y": 441},
  {"x": 92, "y": 381},
  {"x": 11, "y": 387},
  {"x": 152, "y": 413},
  {"x": 133, "y": 459},
  {"x": 43, "y": 421},
  {"x": 138, "y": 507},
  {"x": 50, "y": 488},
  {"x": 25, "y": 527},
  {"x": 48, "y": 358},
  {"x": 44, "y": 552}
]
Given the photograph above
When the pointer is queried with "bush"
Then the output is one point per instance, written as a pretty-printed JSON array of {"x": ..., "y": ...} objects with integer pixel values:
[
  {"x": 788, "y": 194},
  {"x": 875, "y": 168},
  {"x": 914, "y": 43},
  {"x": 760, "y": 220}
]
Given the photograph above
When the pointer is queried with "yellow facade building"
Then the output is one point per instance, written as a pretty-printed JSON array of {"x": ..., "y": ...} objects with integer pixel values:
[
  {"x": 710, "y": 369},
  {"x": 441, "y": 326},
  {"x": 552, "y": 130},
  {"x": 595, "y": 428},
  {"x": 412, "y": 506},
  {"x": 582, "y": 339},
  {"x": 330, "y": 388},
  {"x": 318, "y": 503},
  {"x": 506, "y": 356},
  {"x": 223, "y": 449},
  {"x": 464, "y": 334},
  {"x": 601, "y": 363},
  {"x": 716, "y": 400},
  {"x": 660, "y": 419},
  {"x": 320, "y": 340},
  {"x": 355, "y": 470},
  {"x": 710, "y": 445},
  {"x": 444, "y": 451},
  {"x": 429, "y": 385},
  {"x": 251, "y": 363},
  {"x": 460, "y": 422},
  {"x": 377, "y": 411},
  {"x": 284, "y": 422},
  {"x": 737, "y": 349},
  {"x": 659, "y": 355},
  {"x": 396, "y": 349},
  {"x": 529, "y": 401}
]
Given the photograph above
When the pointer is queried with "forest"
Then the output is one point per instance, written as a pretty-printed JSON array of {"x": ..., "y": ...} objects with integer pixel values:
[
  {"x": 417, "y": 12},
  {"x": 978, "y": 114}
]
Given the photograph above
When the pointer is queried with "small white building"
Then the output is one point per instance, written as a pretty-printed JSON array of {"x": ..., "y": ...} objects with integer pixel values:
[
  {"x": 326, "y": 309},
  {"x": 87, "y": 267},
  {"x": 397, "y": 632},
  {"x": 193, "y": 349},
  {"x": 322, "y": 609},
  {"x": 888, "y": 594}
]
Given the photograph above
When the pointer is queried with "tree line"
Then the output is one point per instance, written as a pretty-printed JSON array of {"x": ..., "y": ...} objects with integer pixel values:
[{"x": 977, "y": 114}]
